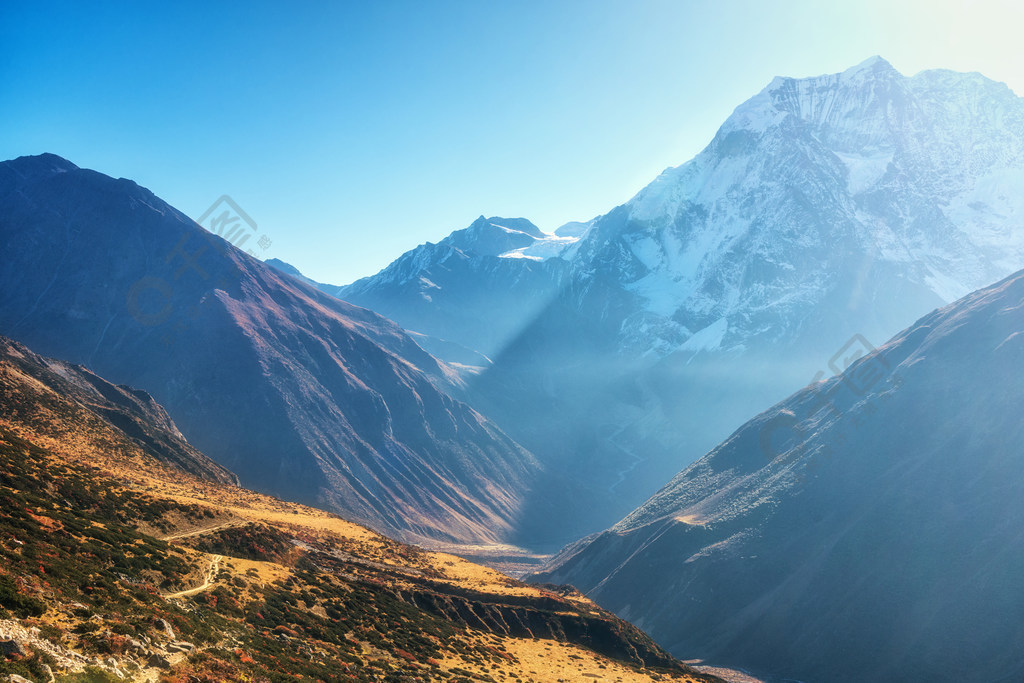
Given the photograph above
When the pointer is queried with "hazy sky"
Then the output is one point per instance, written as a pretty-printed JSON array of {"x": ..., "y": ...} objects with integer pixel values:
[{"x": 351, "y": 132}]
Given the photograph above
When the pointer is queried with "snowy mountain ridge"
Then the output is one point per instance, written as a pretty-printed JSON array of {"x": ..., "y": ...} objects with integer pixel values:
[
  {"x": 923, "y": 175},
  {"x": 853, "y": 157},
  {"x": 512, "y": 238},
  {"x": 824, "y": 209}
]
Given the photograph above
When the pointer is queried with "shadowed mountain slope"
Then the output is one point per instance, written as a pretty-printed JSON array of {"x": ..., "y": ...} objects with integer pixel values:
[
  {"x": 57, "y": 398},
  {"x": 872, "y": 519},
  {"x": 303, "y": 395}
]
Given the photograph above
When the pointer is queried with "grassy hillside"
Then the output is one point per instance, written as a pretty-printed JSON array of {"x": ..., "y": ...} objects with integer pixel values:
[{"x": 114, "y": 565}]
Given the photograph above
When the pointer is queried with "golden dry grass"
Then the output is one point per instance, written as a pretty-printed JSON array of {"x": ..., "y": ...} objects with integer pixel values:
[
  {"x": 74, "y": 434},
  {"x": 536, "y": 660},
  {"x": 550, "y": 661},
  {"x": 692, "y": 520}
]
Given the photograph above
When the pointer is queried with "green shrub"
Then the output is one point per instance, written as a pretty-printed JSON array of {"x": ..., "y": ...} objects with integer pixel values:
[{"x": 21, "y": 605}]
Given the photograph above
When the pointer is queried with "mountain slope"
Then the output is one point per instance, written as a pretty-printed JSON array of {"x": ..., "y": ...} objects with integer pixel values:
[
  {"x": 824, "y": 207},
  {"x": 37, "y": 390},
  {"x": 116, "y": 565},
  {"x": 302, "y": 395},
  {"x": 289, "y": 269},
  {"x": 872, "y": 518}
]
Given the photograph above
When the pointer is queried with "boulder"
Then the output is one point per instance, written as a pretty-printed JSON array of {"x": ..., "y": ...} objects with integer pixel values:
[
  {"x": 10, "y": 648},
  {"x": 158, "y": 661},
  {"x": 167, "y": 628}
]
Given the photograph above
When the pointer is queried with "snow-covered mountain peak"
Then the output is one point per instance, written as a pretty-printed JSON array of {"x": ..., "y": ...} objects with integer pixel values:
[
  {"x": 849, "y": 107},
  {"x": 486, "y": 237},
  {"x": 811, "y": 99},
  {"x": 807, "y": 189},
  {"x": 870, "y": 67},
  {"x": 493, "y": 236},
  {"x": 482, "y": 225},
  {"x": 824, "y": 208},
  {"x": 550, "y": 246},
  {"x": 919, "y": 175}
]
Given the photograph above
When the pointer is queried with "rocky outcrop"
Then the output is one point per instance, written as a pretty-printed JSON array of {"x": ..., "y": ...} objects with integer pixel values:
[
  {"x": 550, "y": 617},
  {"x": 544, "y": 620},
  {"x": 9, "y": 648}
]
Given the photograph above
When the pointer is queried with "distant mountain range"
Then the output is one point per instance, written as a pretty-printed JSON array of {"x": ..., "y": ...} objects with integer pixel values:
[
  {"x": 620, "y": 349},
  {"x": 869, "y": 527},
  {"x": 477, "y": 288},
  {"x": 304, "y": 396}
]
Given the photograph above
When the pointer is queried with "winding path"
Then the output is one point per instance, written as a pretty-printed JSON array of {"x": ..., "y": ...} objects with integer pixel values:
[
  {"x": 205, "y": 530},
  {"x": 211, "y": 579}
]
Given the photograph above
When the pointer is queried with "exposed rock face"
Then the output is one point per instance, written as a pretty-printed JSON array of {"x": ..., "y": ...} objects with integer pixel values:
[
  {"x": 10, "y": 648},
  {"x": 544, "y": 619},
  {"x": 556, "y": 615},
  {"x": 868, "y": 527},
  {"x": 303, "y": 395}
]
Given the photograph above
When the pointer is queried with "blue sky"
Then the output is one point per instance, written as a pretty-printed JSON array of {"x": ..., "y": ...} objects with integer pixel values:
[{"x": 351, "y": 132}]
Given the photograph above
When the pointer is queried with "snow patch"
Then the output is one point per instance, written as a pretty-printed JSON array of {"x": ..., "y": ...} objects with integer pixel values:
[
  {"x": 864, "y": 171},
  {"x": 992, "y": 211},
  {"x": 551, "y": 246},
  {"x": 708, "y": 339},
  {"x": 520, "y": 253},
  {"x": 510, "y": 231}
]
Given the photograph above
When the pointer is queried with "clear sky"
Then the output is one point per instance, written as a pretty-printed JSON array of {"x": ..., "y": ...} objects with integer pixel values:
[{"x": 351, "y": 132}]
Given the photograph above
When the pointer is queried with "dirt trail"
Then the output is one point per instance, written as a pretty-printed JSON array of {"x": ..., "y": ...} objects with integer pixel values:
[
  {"x": 205, "y": 530},
  {"x": 211, "y": 578}
]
